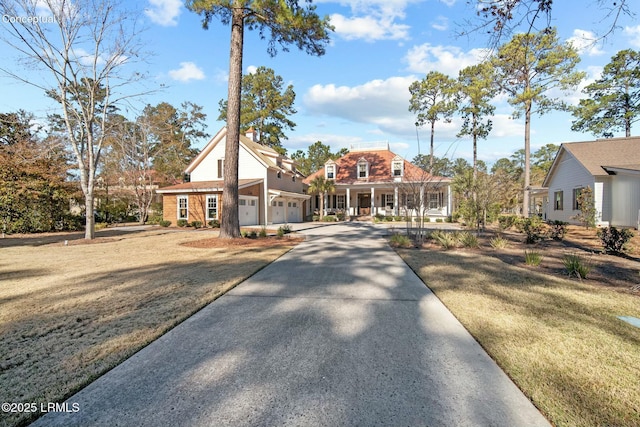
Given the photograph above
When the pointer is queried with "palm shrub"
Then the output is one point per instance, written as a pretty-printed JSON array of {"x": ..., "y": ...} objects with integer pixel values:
[
  {"x": 576, "y": 266},
  {"x": 444, "y": 239},
  {"x": 498, "y": 242},
  {"x": 614, "y": 240},
  {"x": 400, "y": 241},
  {"x": 558, "y": 229},
  {"x": 468, "y": 240}
]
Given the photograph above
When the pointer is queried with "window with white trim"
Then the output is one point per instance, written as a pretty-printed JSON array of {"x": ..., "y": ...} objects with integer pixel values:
[
  {"x": 220, "y": 168},
  {"x": 434, "y": 200},
  {"x": 183, "y": 207},
  {"x": 363, "y": 168},
  {"x": 397, "y": 167},
  {"x": 212, "y": 207},
  {"x": 340, "y": 201},
  {"x": 389, "y": 199},
  {"x": 330, "y": 171},
  {"x": 576, "y": 198}
]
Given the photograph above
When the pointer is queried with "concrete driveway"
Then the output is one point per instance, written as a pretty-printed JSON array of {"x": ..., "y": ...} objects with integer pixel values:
[{"x": 338, "y": 332}]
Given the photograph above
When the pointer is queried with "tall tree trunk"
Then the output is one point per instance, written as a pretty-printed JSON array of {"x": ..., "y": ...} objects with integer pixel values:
[
  {"x": 89, "y": 229},
  {"x": 527, "y": 159},
  {"x": 230, "y": 224},
  {"x": 433, "y": 130}
]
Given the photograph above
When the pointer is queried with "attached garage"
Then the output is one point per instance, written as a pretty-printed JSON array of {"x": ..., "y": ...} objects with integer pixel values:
[
  {"x": 248, "y": 210},
  {"x": 294, "y": 211},
  {"x": 278, "y": 212}
]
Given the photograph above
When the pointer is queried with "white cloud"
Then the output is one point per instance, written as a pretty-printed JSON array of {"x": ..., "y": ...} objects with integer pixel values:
[
  {"x": 164, "y": 12},
  {"x": 441, "y": 23},
  {"x": 634, "y": 35},
  {"x": 251, "y": 69},
  {"x": 585, "y": 42},
  {"x": 371, "y": 20},
  {"x": 380, "y": 102},
  {"x": 369, "y": 28},
  {"x": 188, "y": 71},
  {"x": 446, "y": 59}
]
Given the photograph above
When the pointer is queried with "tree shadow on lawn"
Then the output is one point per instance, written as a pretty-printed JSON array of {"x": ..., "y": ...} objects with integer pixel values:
[
  {"x": 358, "y": 347},
  {"x": 64, "y": 338}
]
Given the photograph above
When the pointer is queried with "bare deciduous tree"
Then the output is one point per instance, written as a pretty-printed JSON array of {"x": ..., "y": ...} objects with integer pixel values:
[{"x": 83, "y": 48}]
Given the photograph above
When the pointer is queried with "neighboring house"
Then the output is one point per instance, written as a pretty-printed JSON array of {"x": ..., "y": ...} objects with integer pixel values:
[
  {"x": 270, "y": 188},
  {"x": 610, "y": 167},
  {"x": 371, "y": 180}
]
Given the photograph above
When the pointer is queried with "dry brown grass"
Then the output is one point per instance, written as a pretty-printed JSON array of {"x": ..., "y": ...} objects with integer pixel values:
[
  {"x": 70, "y": 313},
  {"x": 560, "y": 340}
]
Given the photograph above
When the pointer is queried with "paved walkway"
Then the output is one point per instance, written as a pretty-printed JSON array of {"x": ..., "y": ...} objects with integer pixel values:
[{"x": 338, "y": 332}]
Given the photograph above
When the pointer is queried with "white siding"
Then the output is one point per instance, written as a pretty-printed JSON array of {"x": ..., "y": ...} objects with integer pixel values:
[
  {"x": 285, "y": 183},
  {"x": 248, "y": 166},
  {"x": 625, "y": 195},
  {"x": 207, "y": 170},
  {"x": 568, "y": 175}
]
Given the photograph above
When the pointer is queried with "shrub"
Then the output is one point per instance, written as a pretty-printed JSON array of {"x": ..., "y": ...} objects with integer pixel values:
[
  {"x": 614, "y": 240},
  {"x": 182, "y": 223},
  {"x": 444, "y": 239},
  {"x": 329, "y": 218},
  {"x": 214, "y": 223},
  {"x": 340, "y": 216},
  {"x": 101, "y": 225},
  {"x": 468, "y": 240},
  {"x": 379, "y": 217},
  {"x": 400, "y": 241},
  {"x": 284, "y": 229},
  {"x": 507, "y": 221},
  {"x": 576, "y": 266},
  {"x": 397, "y": 218},
  {"x": 253, "y": 234},
  {"x": 532, "y": 258},
  {"x": 439, "y": 220},
  {"x": 196, "y": 224},
  {"x": 280, "y": 232},
  {"x": 263, "y": 232},
  {"x": 388, "y": 218},
  {"x": 498, "y": 242},
  {"x": 532, "y": 227},
  {"x": 164, "y": 223},
  {"x": 558, "y": 229},
  {"x": 315, "y": 218}
]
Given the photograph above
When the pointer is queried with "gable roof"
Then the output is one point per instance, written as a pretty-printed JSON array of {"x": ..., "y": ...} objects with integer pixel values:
[
  {"x": 264, "y": 154},
  {"x": 379, "y": 162},
  {"x": 594, "y": 156}
]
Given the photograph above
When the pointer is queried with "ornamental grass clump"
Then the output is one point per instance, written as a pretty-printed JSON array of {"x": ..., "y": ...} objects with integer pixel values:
[
  {"x": 576, "y": 266},
  {"x": 400, "y": 241},
  {"x": 499, "y": 242},
  {"x": 533, "y": 258},
  {"x": 468, "y": 240},
  {"x": 444, "y": 239}
]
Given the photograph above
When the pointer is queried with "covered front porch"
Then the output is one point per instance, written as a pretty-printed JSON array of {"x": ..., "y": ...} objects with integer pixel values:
[{"x": 433, "y": 201}]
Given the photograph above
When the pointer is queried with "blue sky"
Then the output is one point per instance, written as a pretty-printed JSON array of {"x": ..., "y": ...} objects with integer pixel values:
[{"x": 357, "y": 91}]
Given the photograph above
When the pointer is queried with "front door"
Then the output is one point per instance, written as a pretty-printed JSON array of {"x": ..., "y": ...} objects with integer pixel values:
[{"x": 364, "y": 204}]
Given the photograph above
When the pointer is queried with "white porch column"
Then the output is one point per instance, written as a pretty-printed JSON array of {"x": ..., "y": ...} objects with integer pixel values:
[
  {"x": 326, "y": 203},
  {"x": 373, "y": 201},
  {"x": 449, "y": 201},
  {"x": 348, "y": 201},
  {"x": 396, "y": 202}
]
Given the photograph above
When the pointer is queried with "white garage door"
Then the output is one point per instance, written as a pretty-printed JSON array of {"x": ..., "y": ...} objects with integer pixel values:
[
  {"x": 248, "y": 210},
  {"x": 293, "y": 212},
  {"x": 277, "y": 212}
]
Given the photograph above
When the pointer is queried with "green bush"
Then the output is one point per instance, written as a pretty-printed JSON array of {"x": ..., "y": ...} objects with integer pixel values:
[
  {"x": 439, "y": 220},
  {"x": 164, "y": 223},
  {"x": 196, "y": 224},
  {"x": 388, "y": 218},
  {"x": 316, "y": 218},
  {"x": 576, "y": 266},
  {"x": 280, "y": 232},
  {"x": 400, "y": 241},
  {"x": 558, "y": 229},
  {"x": 614, "y": 240},
  {"x": 445, "y": 239},
  {"x": 507, "y": 221},
  {"x": 532, "y": 258},
  {"x": 263, "y": 232},
  {"x": 329, "y": 218},
  {"x": 214, "y": 223},
  {"x": 284, "y": 229},
  {"x": 340, "y": 216},
  {"x": 253, "y": 234},
  {"x": 532, "y": 227},
  {"x": 397, "y": 218},
  {"x": 182, "y": 223}
]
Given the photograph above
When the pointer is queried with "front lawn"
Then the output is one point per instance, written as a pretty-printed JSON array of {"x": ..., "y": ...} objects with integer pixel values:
[
  {"x": 559, "y": 339},
  {"x": 70, "y": 312}
]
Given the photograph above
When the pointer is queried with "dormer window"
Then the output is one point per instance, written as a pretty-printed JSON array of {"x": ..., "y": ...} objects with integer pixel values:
[
  {"x": 397, "y": 167},
  {"x": 330, "y": 171},
  {"x": 363, "y": 168}
]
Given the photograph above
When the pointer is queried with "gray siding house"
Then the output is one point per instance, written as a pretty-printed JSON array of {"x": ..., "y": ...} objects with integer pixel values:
[{"x": 610, "y": 167}]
